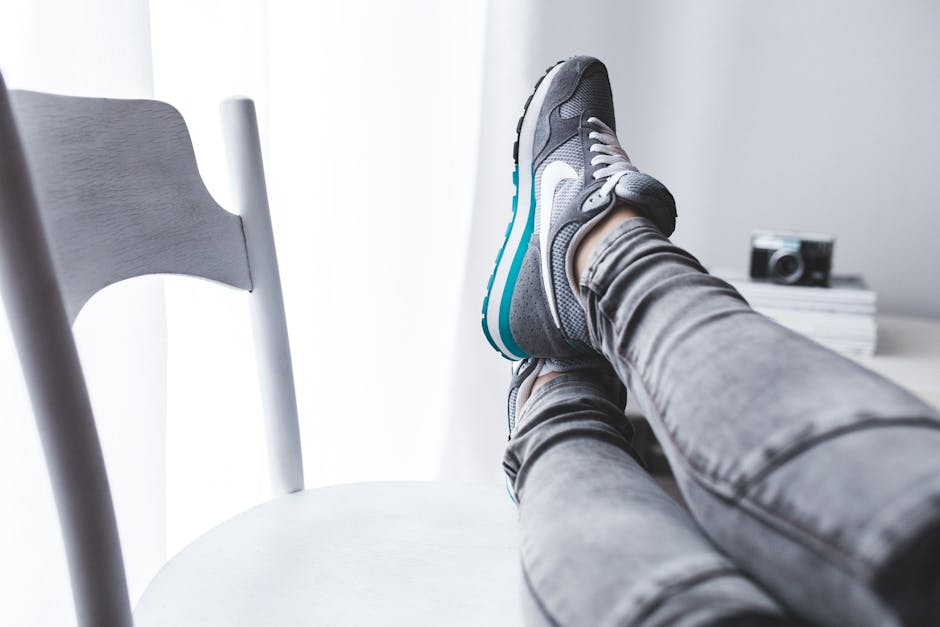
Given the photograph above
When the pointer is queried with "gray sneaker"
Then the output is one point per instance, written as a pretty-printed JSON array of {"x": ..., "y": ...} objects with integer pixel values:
[{"x": 570, "y": 171}]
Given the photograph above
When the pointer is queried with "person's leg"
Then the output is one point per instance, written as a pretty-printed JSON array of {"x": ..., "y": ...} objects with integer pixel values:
[
  {"x": 818, "y": 476},
  {"x": 815, "y": 474},
  {"x": 601, "y": 543}
]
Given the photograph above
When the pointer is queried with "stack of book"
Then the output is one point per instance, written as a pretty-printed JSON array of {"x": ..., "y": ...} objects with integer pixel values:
[{"x": 841, "y": 316}]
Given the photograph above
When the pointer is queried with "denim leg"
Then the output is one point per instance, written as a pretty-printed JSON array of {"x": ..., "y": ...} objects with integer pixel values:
[
  {"x": 818, "y": 476},
  {"x": 601, "y": 543}
]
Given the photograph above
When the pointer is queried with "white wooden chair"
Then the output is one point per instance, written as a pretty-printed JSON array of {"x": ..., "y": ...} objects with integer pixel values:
[{"x": 95, "y": 191}]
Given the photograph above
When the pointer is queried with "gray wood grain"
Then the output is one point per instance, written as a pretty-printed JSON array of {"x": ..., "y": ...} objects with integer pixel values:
[{"x": 120, "y": 194}]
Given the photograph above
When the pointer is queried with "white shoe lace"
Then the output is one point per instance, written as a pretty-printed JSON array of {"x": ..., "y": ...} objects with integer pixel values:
[{"x": 610, "y": 154}]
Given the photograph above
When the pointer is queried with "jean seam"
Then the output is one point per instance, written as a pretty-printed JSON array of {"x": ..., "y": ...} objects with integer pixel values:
[
  {"x": 859, "y": 556},
  {"x": 873, "y": 547},
  {"x": 613, "y": 438},
  {"x": 740, "y": 487},
  {"x": 595, "y": 282},
  {"x": 539, "y": 603},
  {"x": 729, "y": 493},
  {"x": 601, "y": 256},
  {"x": 536, "y": 399},
  {"x": 810, "y": 539},
  {"x": 670, "y": 586},
  {"x": 511, "y": 460},
  {"x": 801, "y": 446}
]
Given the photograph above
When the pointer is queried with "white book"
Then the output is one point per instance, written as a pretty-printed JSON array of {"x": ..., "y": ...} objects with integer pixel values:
[
  {"x": 851, "y": 334},
  {"x": 858, "y": 349},
  {"x": 847, "y": 294},
  {"x": 841, "y": 324},
  {"x": 835, "y": 337},
  {"x": 758, "y": 302}
]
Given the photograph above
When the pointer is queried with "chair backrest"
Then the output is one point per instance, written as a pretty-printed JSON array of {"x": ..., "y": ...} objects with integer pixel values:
[
  {"x": 120, "y": 196},
  {"x": 94, "y": 191}
]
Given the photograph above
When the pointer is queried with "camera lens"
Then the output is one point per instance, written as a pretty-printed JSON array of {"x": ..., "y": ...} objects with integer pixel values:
[{"x": 785, "y": 266}]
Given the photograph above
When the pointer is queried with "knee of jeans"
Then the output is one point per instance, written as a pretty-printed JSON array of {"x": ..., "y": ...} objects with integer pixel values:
[
  {"x": 794, "y": 438},
  {"x": 860, "y": 488},
  {"x": 909, "y": 580}
]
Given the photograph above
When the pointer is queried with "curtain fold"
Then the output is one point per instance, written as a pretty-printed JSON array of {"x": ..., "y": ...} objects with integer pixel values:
[{"x": 369, "y": 114}]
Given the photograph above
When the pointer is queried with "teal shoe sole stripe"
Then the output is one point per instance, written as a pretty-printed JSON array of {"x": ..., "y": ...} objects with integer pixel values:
[
  {"x": 504, "y": 307},
  {"x": 499, "y": 257},
  {"x": 506, "y": 300},
  {"x": 506, "y": 340}
]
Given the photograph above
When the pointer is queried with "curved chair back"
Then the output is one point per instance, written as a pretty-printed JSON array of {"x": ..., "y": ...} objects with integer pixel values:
[
  {"x": 94, "y": 191},
  {"x": 120, "y": 196}
]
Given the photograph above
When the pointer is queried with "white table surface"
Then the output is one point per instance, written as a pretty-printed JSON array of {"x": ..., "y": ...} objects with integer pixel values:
[{"x": 908, "y": 353}]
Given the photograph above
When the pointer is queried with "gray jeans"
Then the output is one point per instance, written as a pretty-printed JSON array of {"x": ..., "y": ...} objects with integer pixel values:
[{"x": 810, "y": 479}]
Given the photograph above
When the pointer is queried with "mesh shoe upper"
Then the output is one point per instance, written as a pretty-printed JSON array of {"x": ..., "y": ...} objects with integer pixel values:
[
  {"x": 570, "y": 170},
  {"x": 565, "y": 176}
]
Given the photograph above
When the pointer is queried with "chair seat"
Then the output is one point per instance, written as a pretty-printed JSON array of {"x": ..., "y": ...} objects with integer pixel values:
[{"x": 388, "y": 553}]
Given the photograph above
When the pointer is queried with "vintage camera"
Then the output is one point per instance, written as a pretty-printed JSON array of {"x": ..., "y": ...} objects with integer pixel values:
[{"x": 791, "y": 257}]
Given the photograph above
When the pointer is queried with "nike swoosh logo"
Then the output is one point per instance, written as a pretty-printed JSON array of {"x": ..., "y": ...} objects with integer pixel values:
[{"x": 553, "y": 174}]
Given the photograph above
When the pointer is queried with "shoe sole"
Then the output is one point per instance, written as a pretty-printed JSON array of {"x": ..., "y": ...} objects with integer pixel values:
[{"x": 502, "y": 282}]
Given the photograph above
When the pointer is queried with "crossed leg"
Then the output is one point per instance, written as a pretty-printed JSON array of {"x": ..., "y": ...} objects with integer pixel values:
[
  {"x": 817, "y": 477},
  {"x": 601, "y": 543}
]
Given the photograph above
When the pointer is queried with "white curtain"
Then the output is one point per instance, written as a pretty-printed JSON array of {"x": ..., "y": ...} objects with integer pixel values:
[{"x": 369, "y": 113}]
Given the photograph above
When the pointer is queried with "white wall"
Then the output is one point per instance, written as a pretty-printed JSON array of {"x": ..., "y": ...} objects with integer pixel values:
[{"x": 811, "y": 115}]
